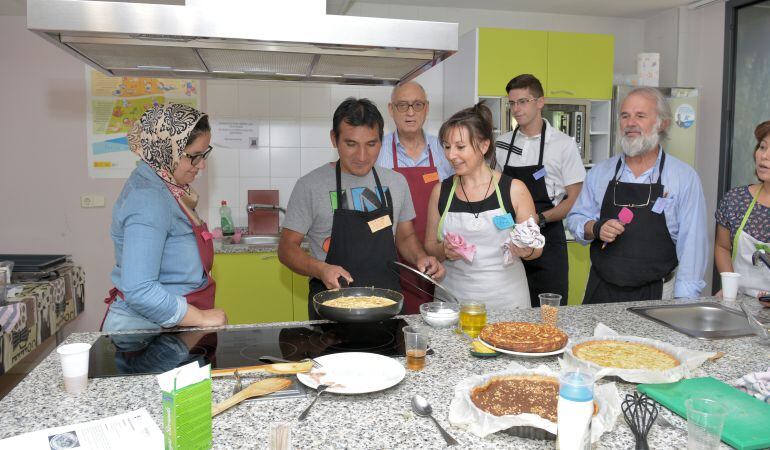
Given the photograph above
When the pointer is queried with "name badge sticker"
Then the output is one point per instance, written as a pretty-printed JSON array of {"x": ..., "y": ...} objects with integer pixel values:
[
  {"x": 430, "y": 177},
  {"x": 503, "y": 221},
  {"x": 660, "y": 205},
  {"x": 380, "y": 223},
  {"x": 539, "y": 174}
]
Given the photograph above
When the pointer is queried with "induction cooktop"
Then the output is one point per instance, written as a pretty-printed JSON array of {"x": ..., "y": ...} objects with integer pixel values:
[{"x": 154, "y": 353}]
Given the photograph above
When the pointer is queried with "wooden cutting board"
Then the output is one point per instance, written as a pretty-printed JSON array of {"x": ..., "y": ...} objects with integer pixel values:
[{"x": 746, "y": 423}]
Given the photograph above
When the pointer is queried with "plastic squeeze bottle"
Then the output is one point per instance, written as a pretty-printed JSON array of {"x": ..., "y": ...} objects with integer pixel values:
[
  {"x": 575, "y": 410},
  {"x": 226, "y": 219}
]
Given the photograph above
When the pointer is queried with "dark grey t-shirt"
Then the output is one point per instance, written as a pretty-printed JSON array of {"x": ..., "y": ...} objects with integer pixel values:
[{"x": 309, "y": 211}]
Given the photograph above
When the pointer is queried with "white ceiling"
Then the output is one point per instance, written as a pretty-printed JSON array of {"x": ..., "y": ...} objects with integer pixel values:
[{"x": 608, "y": 8}]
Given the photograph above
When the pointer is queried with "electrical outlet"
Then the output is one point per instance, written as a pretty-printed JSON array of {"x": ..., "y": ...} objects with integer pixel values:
[{"x": 91, "y": 201}]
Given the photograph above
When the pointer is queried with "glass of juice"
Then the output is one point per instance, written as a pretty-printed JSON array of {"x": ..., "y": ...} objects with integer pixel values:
[
  {"x": 473, "y": 317},
  {"x": 416, "y": 343}
]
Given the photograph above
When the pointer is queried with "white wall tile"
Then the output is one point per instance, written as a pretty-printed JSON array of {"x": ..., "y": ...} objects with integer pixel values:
[
  {"x": 284, "y": 133},
  {"x": 223, "y": 162},
  {"x": 284, "y": 186},
  {"x": 223, "y": 188},
  {"x": 221, "y": 98},
  {"x": 284, "y": 101},
  {"x": 253, "y": 100},
  {"x": 254, "y": 162},
  {"x": 315, "y": 132},
  {"x": 338, "y": 94},
  {"x": 315, "y": 101},
  {"x": 284, "y": 162},
  {"x": 313, "y": 158}
]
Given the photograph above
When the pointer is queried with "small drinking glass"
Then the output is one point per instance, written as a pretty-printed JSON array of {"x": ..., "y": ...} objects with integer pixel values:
[
  {"x": 473, "y": 317},
  {"x": 548, "y": 311},
  {"x": 416, "y": 344},
  {"x": 705, "y": 419}
]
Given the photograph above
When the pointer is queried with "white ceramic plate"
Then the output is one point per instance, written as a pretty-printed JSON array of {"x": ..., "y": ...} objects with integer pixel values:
[
  {"x": 527, "y": 355},
  {"x": 357, "y": 373}
]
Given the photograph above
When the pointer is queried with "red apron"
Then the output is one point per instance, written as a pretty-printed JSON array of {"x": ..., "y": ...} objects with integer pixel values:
[
  {"x": 202, "y": 298},
  {"x": 421, "y": 181}
]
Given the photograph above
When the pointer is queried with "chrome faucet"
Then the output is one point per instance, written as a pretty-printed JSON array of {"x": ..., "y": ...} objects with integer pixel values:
[
  {"x": 251, "y": 207},
  {"x": 758, "y": 256}
]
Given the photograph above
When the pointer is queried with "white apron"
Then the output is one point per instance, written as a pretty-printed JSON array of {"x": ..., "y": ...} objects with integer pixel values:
[
  {"x": 754, "y": 279},
  {"x": 485, "y": 278}
]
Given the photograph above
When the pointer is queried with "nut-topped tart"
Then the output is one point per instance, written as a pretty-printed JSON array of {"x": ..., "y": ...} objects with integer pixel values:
[
  {"x": 518, "y": 394},
  {"x": 524, "y": 337}
]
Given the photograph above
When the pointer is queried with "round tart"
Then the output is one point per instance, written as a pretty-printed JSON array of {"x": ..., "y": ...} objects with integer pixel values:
[
  {"x": 524, "y": 337},
  {"x": 624, "y": 355}
]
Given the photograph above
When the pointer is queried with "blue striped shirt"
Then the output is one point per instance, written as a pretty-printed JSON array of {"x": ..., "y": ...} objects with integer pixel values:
[{"x": 385, "y": 159}]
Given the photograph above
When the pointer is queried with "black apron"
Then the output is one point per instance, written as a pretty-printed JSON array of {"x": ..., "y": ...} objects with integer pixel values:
[
  {"x": 354, "y": 247},
  {"x": 549, "y": 273},
  {"x": 633, "y": 266}
]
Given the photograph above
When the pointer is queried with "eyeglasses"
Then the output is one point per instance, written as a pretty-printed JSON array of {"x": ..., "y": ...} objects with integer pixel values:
[
  {"x": 521, "y": 102},
  {"x": 631, "y": 205},
  {"x": 198, "y": 157},
  {"x": 417, "y": 106}
]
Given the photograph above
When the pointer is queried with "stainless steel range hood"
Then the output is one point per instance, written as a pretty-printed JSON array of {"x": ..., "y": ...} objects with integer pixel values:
[{"x": 290, "y": 40}]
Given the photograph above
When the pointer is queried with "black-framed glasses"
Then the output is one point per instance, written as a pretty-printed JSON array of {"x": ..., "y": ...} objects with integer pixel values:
[
  {"x": 198, "y": 157},
  {"x": 631, "y": 205},
  {"x": 521, "y": 102},
  {"x": 417, "y": 106}
]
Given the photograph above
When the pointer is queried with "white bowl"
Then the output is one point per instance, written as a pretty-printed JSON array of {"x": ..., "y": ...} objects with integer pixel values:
[{"x": 440, "y": 314}]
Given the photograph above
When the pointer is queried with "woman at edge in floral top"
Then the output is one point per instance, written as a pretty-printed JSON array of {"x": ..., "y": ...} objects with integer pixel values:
[{"x": 743, "y": 223}]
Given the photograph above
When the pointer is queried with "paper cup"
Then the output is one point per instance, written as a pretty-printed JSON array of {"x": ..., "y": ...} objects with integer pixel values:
[
  {"x": 730, "y": 285},
  {"x": 74, "y": 366}
]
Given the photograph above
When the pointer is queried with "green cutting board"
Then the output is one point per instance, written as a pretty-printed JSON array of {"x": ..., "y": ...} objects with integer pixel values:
[{"x": 746, "y": 425}]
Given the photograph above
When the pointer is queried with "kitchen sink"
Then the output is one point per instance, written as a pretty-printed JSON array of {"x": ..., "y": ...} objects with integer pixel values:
[
  {"x": 706, "y": 320},
  {"x": 262, "y": 239}
]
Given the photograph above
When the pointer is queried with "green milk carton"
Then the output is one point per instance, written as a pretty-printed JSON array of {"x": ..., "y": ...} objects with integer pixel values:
[{"x": 187, "y": 407}]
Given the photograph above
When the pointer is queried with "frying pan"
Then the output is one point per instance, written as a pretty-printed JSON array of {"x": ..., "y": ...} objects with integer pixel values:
[{"x": 358, "y": 315}]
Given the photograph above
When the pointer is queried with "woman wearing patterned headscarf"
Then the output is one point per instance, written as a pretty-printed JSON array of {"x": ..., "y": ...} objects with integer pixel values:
[{"x": 163, "y": 250}]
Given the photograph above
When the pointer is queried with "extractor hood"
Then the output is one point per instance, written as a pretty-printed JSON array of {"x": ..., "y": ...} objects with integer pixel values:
[{"x": 290, "y": 40}]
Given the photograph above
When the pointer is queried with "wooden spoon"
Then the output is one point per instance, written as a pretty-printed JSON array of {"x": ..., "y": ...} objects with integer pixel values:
[
  {"x": 278, "y": 369},
  {"x": 261, "y": 387}
]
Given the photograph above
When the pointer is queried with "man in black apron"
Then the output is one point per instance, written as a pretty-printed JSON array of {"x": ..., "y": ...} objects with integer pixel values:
[
  {"x": 348, "y": 212},
  {"x": 646, "y": 194},
  {"x": 549, "y": 164}
]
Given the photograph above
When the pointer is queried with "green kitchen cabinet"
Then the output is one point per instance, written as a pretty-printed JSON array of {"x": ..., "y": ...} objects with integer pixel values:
[
  {"x": 300, "y": 291},
  {"x": 580, "y": 65},
  {"x": 579, "y": 265},
  {"x": 254, "y": 288},
  {"x": 504, "y": 53}
]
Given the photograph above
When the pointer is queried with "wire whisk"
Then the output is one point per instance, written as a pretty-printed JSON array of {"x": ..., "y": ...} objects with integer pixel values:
[{"x": 640, "y": 413}]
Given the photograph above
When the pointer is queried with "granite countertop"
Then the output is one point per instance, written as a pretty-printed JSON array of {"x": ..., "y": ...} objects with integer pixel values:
[{"x": 378, "y": 420}]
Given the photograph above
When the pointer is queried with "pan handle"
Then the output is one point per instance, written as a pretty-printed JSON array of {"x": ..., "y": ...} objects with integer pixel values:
[{"x": 396, "y": 266}]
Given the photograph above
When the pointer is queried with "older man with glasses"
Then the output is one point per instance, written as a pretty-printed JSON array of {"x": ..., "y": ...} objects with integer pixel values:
[
  {"x": 419, "y": 157},
  {"x": 643, "y": 212}
]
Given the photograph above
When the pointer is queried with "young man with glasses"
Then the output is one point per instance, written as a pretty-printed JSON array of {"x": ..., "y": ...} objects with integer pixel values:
[
  {"x": 549, "y": 163},
  {"x": 420, "y": 158},
  {"x": 660, "y": 249}
]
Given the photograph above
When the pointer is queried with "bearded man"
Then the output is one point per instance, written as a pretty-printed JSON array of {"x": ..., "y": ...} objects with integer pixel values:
[{"x": 643, "y": 212}]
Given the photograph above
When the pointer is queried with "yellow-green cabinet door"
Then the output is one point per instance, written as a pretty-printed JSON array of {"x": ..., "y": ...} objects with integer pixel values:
[
  {"x": 300, "y": 291},
  {"x": 580, "y": 65},
  {"x": 504, "y": 53},
  {"x": 579, "y": 265},
  {"x": 253, "y": 288}
]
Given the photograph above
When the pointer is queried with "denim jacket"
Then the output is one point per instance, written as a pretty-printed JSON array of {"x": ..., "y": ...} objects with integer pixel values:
[{"x": 156, "y": 257}]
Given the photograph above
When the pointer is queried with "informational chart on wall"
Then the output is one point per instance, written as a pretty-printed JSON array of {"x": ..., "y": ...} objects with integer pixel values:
[{"x": 114, "y": 103}]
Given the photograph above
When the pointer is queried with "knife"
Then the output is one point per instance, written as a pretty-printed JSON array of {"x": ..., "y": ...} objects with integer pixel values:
[{"x": 280, "y": 369}]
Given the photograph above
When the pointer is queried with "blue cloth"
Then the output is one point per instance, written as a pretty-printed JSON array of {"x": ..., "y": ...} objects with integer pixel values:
[
  {"x": 385, "y": 159},
  {"x": 156, "y": 257},
  {"x": 685, "y": 214}
]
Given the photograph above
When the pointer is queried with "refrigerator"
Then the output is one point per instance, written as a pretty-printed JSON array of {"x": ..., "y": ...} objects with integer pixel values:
[{"x": 682, "y": 130}]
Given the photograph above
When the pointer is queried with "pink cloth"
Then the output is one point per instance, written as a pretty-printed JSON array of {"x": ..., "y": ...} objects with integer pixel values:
[{"x": 457, "y": 243}]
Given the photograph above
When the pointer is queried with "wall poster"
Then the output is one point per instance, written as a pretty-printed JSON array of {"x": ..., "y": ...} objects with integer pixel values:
[{"x": 113, "y": 104}]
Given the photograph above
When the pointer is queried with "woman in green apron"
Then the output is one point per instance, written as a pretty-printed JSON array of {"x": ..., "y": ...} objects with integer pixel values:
[{"x": 743, "y": 224}]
